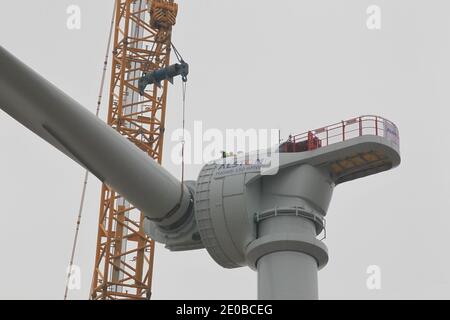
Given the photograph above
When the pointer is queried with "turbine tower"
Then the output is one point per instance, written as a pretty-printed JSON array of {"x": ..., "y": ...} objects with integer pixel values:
[{"x": 243, "y": 214}]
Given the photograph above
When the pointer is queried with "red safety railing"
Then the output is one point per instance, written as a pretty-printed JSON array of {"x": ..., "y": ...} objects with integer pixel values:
[{"x": 341, "y": 131}]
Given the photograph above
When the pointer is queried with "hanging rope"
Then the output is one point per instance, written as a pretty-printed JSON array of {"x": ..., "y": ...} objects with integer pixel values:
[
  {"x": 177, "y": 53},
  {"x": 86, "y": 174},
  {"x": 183, "y": 142}
]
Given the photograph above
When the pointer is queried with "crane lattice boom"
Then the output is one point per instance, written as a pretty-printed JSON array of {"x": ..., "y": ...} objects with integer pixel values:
[{"x": 142, "y": 43}]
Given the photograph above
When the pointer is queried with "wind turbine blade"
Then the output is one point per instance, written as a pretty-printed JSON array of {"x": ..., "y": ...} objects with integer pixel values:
[{"x": 61, "y": 121}]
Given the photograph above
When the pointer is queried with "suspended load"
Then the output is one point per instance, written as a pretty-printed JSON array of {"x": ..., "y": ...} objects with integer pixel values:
[{"x": 160, "y": 75}]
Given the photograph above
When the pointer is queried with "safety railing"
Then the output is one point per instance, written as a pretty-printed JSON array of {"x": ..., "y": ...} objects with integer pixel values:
[{"x": 342, "y": 131}]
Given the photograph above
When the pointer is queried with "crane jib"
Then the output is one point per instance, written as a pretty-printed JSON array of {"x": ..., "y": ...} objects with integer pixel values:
[{"x": 168, "y": 73}]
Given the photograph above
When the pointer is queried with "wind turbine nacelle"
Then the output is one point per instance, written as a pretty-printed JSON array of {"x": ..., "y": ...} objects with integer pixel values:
[
  {"x": 230, "y": 208},
  {"x": 235, "y": 200}
]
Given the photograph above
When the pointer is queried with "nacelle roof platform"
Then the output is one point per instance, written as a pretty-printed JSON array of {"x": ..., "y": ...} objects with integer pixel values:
[{"x": 351, "y": 149}]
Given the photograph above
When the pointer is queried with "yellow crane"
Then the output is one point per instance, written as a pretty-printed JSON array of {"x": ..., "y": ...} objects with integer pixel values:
[{"x": 142, "y": 43}]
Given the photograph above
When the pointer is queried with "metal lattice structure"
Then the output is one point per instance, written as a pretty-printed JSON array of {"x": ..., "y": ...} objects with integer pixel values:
[{"x": 142, "y": 43}]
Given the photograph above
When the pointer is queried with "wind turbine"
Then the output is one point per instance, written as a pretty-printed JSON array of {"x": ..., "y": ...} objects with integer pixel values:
[{"x": 242, "y": 213}]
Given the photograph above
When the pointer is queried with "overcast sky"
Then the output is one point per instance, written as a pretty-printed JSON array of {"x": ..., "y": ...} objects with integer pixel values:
[{"x": 288, "y": 64}]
